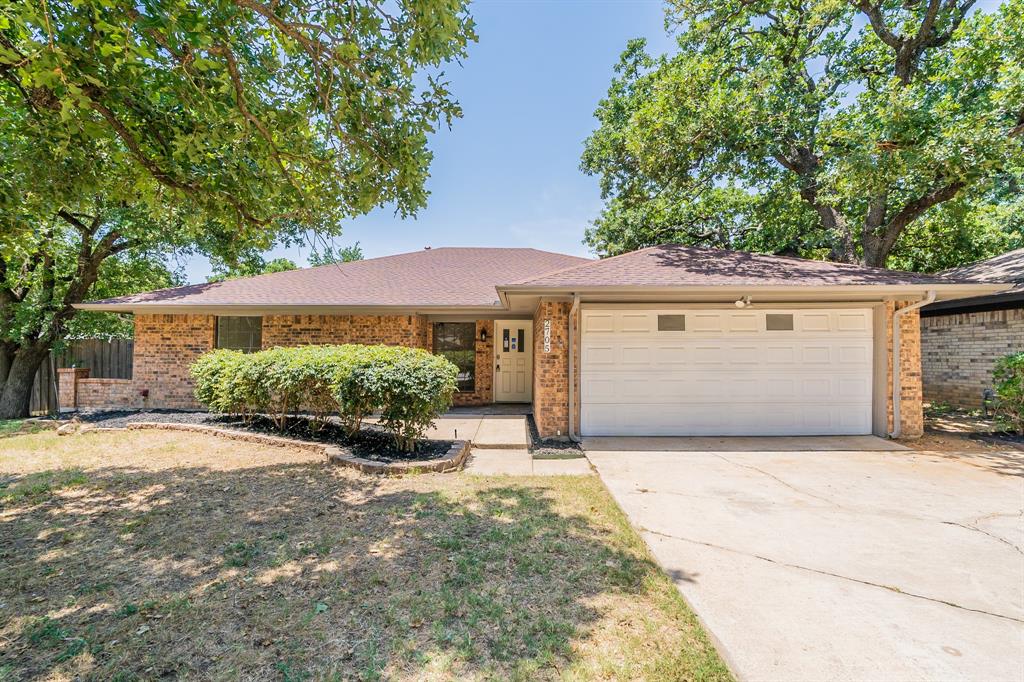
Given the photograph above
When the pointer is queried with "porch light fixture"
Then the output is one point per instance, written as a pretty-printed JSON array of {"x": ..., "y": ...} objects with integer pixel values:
[
  {"x": 744, "y": 302},
  {"x": 483, "y": 335}
]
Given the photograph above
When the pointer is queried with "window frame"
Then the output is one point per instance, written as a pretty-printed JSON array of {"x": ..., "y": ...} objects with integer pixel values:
[
  {"x": 254, "y": 335},
  {"x": 466, "y": 359},
  {"x": 778, "y": 317}
]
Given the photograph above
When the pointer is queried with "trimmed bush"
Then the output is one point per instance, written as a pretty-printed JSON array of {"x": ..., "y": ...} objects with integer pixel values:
[
  {"x": 410, "y": 387},
  {"x": 1008, "y": 376}
]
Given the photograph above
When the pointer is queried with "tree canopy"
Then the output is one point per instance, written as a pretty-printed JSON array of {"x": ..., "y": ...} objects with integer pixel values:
[
  {"x": 849, "y": 130},
  {"x": 130, "y": 130}
]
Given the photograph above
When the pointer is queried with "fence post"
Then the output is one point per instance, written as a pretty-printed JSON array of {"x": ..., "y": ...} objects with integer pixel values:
[{"x": 67, "y": 387}]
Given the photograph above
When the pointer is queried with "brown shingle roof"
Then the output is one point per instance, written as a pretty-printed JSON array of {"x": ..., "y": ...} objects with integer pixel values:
[
  {"x": 433, "y": 277},
  {"x": 674, "y": 265},
  {"x": 1006, "y": 267}
]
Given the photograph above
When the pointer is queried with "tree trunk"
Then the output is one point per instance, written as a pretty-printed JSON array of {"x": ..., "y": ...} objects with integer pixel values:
[
  {"x": 875, "y": 253},
  {"x": 17, "y": 390}
]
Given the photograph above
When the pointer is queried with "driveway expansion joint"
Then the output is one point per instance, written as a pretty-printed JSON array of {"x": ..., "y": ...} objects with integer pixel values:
[{"x": 819, "y": 571}]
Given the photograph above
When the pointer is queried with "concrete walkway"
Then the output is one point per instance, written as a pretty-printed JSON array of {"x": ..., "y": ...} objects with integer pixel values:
[
  {"x": 838, "y": 565},
  {"x": 507, "y": 462},
  {"x": 486, "y": 429}
]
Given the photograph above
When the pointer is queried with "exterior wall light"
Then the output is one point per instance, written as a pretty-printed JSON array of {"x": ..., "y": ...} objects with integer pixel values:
[{"x": 744, "y": 302}]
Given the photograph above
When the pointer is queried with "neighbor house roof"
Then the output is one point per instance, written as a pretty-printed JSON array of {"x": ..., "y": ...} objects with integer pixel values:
[
  {"x": 1007, "y": 267},
  {"x": 674, "y": 265},
  {"x": 431, "y": 278}
]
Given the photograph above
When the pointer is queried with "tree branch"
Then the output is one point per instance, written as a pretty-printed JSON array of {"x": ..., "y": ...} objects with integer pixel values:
[{"x": 914, "y": 208}]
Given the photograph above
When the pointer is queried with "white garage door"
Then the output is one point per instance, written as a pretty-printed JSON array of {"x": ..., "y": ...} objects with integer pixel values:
[{"x": 725, "y": 372}]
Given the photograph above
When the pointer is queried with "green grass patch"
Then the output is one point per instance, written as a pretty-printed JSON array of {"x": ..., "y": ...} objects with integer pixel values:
[{"x": 37, "y": 487}]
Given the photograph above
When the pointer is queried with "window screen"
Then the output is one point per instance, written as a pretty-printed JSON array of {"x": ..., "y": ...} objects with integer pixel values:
[
  {"x": 456, "y": 341},
  {"x": 778, "y": 322},
  {"x": 240, "y": 333},
  {"x": 671, "y": 323}
]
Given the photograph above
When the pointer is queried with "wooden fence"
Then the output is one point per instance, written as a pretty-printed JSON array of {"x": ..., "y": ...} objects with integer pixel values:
[{"x": 105, "y": 359}]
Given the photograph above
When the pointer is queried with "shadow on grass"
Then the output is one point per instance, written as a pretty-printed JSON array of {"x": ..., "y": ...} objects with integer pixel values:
[{"x": 297, "y": 571}]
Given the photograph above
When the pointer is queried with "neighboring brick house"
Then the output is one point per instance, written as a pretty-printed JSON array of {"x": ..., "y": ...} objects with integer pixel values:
[
  {"x": 664, "y": 341},
  {"x": 962, "y": 339}
]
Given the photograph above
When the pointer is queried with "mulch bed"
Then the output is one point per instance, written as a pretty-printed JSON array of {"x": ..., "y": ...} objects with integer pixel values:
[
  {"x": 371, "y": 443},
  {"x": 1000, "y": 438},
  {"x": 551, "y": 448}
]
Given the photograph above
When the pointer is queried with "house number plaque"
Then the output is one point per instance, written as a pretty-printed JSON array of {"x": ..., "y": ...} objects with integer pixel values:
[{"x": 547, "y": 336}]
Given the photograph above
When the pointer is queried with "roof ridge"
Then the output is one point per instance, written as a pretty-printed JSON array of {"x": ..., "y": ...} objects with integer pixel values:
[{"x": 590, "y": 262}]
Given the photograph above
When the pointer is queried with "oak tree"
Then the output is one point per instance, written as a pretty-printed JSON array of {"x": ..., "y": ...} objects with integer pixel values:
[
  {"x": 828, "y": 128},
  {"x": 134, "y": 127}
]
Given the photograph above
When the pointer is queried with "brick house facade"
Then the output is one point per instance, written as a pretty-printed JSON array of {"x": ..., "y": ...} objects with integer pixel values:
[
  {"x": 960, "y": 349},
  {"x": 167, "y": 345},
  {"x": 416, "y": 292}
]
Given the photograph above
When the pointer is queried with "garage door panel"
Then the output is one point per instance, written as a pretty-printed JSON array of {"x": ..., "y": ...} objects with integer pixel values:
[
  {"x": 632, "y": 355},
  {"x": 726, "y": 374},
  {"x": 671, "y": 355}
]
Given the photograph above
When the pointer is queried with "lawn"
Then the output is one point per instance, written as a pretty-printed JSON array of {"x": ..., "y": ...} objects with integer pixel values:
[{"x": 139, "y": 555}]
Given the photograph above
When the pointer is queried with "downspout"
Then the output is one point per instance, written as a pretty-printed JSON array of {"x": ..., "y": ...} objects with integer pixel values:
[
  {"x": 897, "y": 354},
  {"x": 572, "y": 368}
]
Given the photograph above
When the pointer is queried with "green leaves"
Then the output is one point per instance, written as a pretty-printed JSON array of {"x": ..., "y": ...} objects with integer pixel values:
[
  {"x": 247, "y": 112},
  {"x": 831, "y": 129},
  {"x": 1008, "y": 376},
  {"x": 409, "y": 386}
]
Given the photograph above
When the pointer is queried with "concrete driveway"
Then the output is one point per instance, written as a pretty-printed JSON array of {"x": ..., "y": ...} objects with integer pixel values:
[{"x": 820, "y": 564}]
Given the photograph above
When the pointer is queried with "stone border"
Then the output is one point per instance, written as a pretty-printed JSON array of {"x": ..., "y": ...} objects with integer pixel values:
[{"x": 453, "y": 461}]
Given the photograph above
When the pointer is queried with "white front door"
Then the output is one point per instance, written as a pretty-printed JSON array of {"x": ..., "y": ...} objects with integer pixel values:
[
  {"x": 513, "y": 361},
  {"x": 706, "y": 372}
]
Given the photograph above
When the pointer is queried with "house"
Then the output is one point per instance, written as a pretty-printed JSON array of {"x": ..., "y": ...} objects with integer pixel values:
[
  {"x": 668, "y": 340},
  {"x": 962, "y": 339}
]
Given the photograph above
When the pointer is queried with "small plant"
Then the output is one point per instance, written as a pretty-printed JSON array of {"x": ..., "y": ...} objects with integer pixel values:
[{"x": 1008, "y": 377}]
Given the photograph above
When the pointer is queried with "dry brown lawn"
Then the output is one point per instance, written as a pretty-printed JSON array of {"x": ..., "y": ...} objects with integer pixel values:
[{"x": 144, "y": 555}]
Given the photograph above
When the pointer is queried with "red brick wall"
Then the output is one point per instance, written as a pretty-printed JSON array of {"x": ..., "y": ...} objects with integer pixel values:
[
  {"x": 165, "y": 347},
  {"x": 67, "y": 386},
  {"x": 551, "y": 370},
  {"x": 395, "y": 330},
  {"x": 116, "y": 393}
]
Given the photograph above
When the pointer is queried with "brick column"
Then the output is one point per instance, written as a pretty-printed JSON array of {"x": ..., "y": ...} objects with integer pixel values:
[
  {"x": 67, "y": 387},
  {"x": 909, "y": 363},
  {"x": 551, "y": 369}
]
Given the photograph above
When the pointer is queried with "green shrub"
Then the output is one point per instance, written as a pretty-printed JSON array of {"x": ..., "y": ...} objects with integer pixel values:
[
  {"x": 410, "y": 387},
  {"x": 355, "y": 397},
  {"x": 1008, "y": 376},
  {"x": 216, "y": 376}
]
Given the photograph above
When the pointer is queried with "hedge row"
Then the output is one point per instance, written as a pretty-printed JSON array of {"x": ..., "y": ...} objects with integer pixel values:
[{"x": 408, "y": 386}]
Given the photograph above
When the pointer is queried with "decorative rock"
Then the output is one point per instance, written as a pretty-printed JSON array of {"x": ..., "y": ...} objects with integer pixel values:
[{"x": 67, "y": 429}]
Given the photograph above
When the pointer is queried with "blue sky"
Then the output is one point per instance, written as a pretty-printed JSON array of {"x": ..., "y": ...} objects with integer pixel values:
[{"x": 507, "y": 174}]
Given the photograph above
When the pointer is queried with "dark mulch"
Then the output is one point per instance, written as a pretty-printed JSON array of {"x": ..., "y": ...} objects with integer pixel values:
[
  {"x": 370, "y": 443},
  {"x": 1000, "y": 438},
  {"x": 551, "y": 448}
]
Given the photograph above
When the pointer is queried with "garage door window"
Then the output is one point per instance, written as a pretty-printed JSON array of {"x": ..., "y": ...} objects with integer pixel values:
[
  {"x": 671, "y": 323},
  {"x": 778, "y": 322}
]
